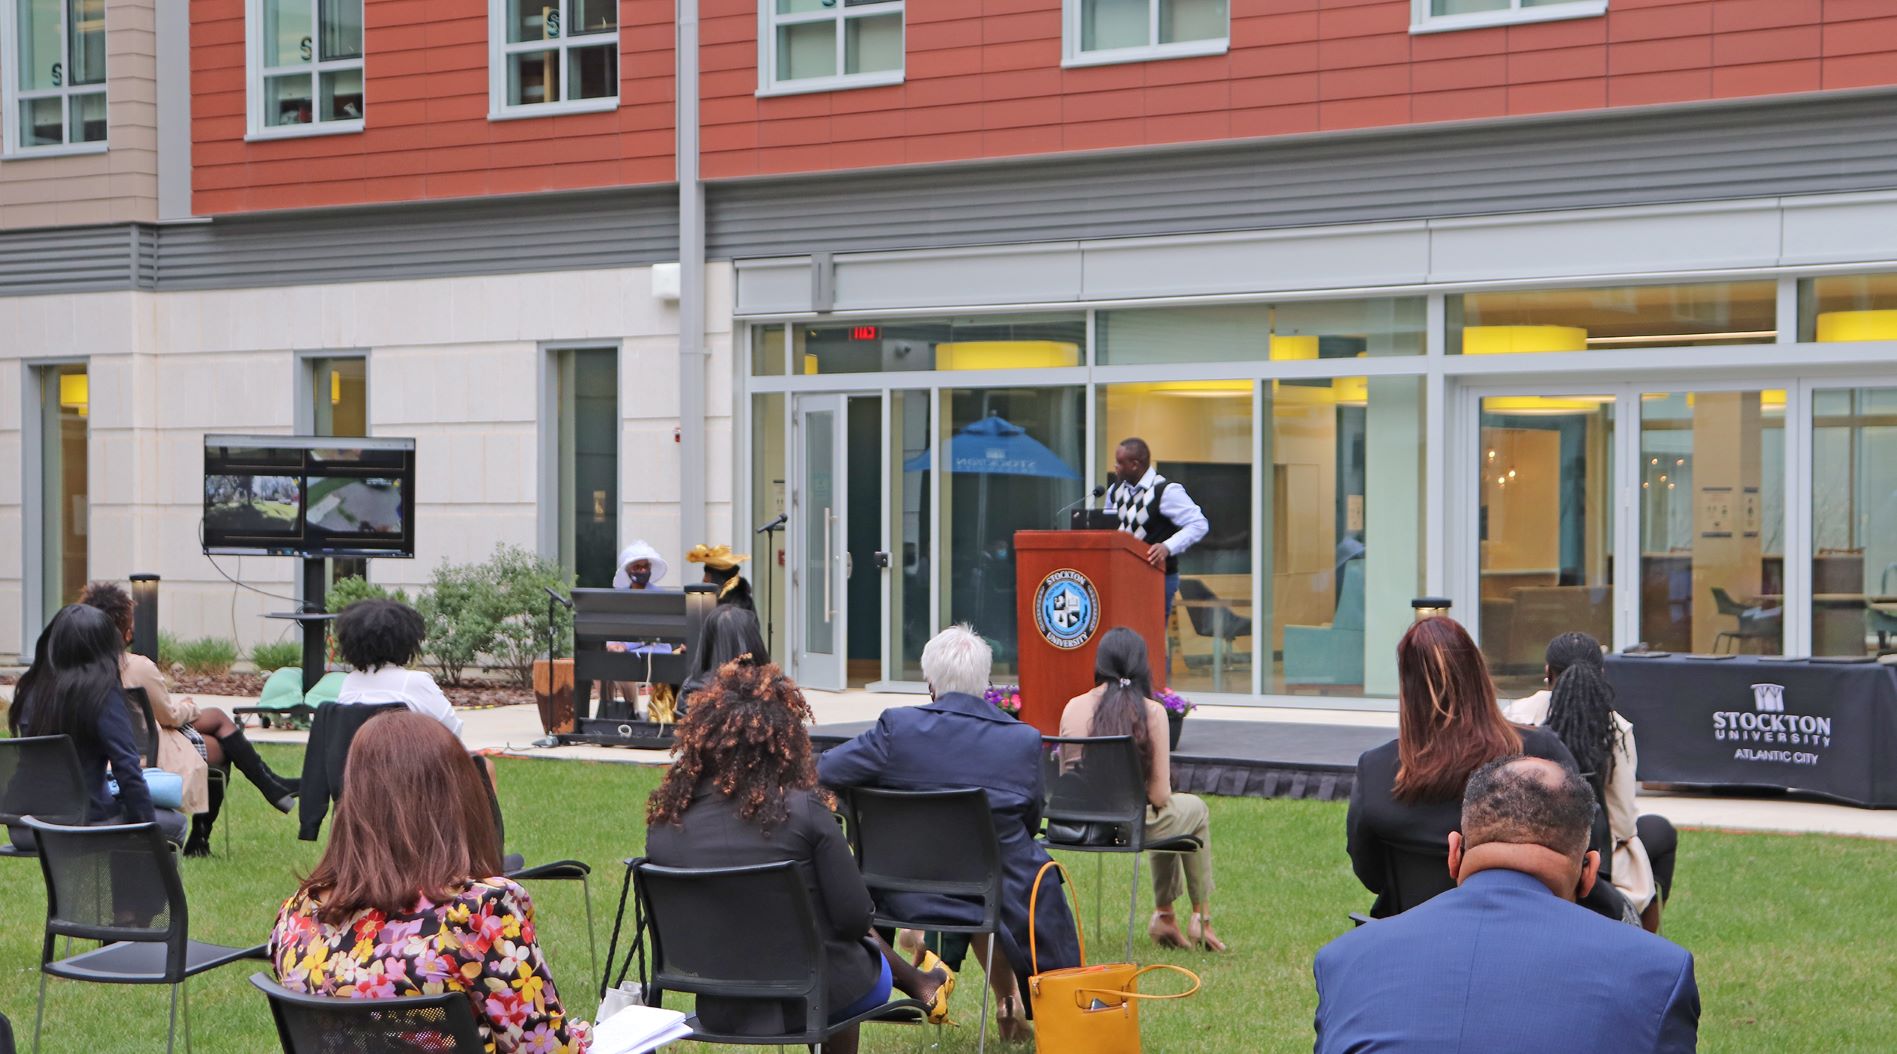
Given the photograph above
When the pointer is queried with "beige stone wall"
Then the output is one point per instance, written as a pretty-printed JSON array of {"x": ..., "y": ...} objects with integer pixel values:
[{"x": 117, "y": 185}]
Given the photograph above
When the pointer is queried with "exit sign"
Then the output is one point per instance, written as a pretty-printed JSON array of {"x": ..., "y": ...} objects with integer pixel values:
[{"x": 865, "y": 333}]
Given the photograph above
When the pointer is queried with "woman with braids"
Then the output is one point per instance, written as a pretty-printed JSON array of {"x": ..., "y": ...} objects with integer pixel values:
[
  {"x": 1407, "y": 794},
  {"x": 742, "y": 790},
  {"x": 1578, "y": 706},
  {"x": 721, "y": 570},
  {"x": 191, "y": 738},
  {"x": 1122, "y": 704}
]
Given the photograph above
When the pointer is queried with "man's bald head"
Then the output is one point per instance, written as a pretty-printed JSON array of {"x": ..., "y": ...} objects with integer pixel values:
[{"x": 1528, "y": 801}]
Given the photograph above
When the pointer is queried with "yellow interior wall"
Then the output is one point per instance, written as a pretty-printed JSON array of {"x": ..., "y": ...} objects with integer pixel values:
[{"x": 1524, "y": 512}]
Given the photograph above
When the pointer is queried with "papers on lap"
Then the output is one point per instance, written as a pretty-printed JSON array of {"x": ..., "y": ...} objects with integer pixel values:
[{"x": 636, "y": 1029}]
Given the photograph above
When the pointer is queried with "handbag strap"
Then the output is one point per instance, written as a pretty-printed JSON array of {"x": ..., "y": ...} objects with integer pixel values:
[
  {"x": 1034, "y": 900},
  {"x": 1128, "y": 993}
]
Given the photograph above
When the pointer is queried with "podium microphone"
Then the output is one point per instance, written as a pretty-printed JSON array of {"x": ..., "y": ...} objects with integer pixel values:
[
  {"x": 774, "y": 524},
  {"x": 1069, "y": 507},
  {"x": 557, "y": 598}
]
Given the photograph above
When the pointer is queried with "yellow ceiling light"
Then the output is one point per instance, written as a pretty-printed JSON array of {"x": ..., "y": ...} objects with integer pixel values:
[
  {"x": 1194, "y": 389},
  {"x": 1532, "y": 405},
  {"x": 1293, "y": 349},
  {"x": 1837, "y": 327},
  {"x": 75, "y": 393},
  {"x": 1351, "y": 391},
  {"x": 1518, "y": 340},
  {"x": 335, "y": 387},
  {"x": 1006, "y": 354}
]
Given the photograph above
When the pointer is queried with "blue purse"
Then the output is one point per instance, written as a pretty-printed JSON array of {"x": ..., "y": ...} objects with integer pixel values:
[{"x": 166, "y": 788}]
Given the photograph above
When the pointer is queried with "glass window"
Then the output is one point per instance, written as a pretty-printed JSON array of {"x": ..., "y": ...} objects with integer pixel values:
[
  {"x": 339, "y": 406},
  {"x": 64, "y": 406},
  {"x": 1322, "y": 329},
  {"x": 1457, "y": 14},
  {"x": 59, "y": 90},
  {"x": 982, "y": 509},
  {"x": 768, "y": 477},
  {"x": 308, "y": 71},
  {"x": 910, "y": 345},
  {"x": 1854, "y": 522},
  {"x": 1136, "y": 30},
  {"x": 1845, "y": 308},
  {"x": 1712, "y": 513},
  {"x": 1342, "y": 511},
  {"x": 1636, "y": 316},
  {"x": 1200, "y": 433},
  {"x": 1546, "y": 529},
  {"x": 587, "y": 462},
  {"x": 822, "y": 44},
  {"x": 911, "y": 486},
  {"x": 549, "y": 52}
]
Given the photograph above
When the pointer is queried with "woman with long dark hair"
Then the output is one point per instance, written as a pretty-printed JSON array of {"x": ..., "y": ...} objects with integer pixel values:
[
  {"x": 1122, "y": 704},
  {"x": 1407, "y": 796},
  {"x": 1578, "y": 706},
  {"x": 72, "y": 689},
  {"x": 742, "y": 790},
  {"x": 408, "y": 898},
  {"x": 191, "y": 738},
  {"x": 730, "y": 634}
]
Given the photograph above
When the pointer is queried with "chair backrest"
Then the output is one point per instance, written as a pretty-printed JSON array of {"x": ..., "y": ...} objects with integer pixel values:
[
  {"x": 1350, "y": 597},
  {"x": 1724, "y": 602},
  {"x": 928, "y": 842},
  {"x": 1412, "y": 877},
  {"x": 331, "y": 731},
  {"x": 1096, "y": 779},
  {"x": 113, "y": 883},
  {"x": 40, "y": 777},
  {"x": 314, "y": 1024},
  {"x": 144, "y": 724},
  {"x": 1195, "y": 593},
  {"x": 735, "y": 932}
]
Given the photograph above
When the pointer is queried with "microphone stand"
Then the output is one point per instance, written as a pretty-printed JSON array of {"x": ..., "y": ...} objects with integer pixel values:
[
  {"x": 769, "y": 531},
  {"x": 553, "y": 638}
]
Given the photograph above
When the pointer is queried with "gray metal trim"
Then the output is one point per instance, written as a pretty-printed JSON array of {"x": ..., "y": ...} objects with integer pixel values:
[
  {"x": 1757, "y": 148},
  {"x": 69, "y": 260}
]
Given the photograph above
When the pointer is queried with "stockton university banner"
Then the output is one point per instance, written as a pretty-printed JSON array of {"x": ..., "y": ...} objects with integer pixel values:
[{"x": 1828, "y": 728}]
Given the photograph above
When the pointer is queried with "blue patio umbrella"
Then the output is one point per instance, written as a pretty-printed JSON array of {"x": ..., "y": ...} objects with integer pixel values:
[{"x": 995, "y": 446}]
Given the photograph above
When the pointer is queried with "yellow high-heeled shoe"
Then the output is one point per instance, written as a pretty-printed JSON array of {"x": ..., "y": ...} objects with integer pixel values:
[{"x": 939, "y": 1005}]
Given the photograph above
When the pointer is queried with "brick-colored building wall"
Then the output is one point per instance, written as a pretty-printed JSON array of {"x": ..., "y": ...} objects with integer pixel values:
[
  {"x": 984, "y": 77},
  {"x": 427, "y": 133}
]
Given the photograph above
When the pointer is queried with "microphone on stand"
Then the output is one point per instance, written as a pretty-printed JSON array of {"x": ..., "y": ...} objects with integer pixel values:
[
  {"x": 557, "y": 598},
  {"x": 1063, "y": 510},
  {"x": 781, "y": 520}
]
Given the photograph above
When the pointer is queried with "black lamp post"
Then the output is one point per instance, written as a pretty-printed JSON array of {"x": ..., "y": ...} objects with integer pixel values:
[{"x": 145, "y": 615}]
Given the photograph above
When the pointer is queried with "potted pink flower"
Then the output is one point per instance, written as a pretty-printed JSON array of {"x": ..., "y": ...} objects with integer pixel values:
[{"x": 1177, "y": 707}]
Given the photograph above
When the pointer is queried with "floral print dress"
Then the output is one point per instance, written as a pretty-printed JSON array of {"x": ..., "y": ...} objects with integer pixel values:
[{"x": 480, "y": 942}]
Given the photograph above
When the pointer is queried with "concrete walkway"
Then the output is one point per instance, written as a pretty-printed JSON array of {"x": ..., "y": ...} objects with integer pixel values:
[{"x": 511, "y": 730}]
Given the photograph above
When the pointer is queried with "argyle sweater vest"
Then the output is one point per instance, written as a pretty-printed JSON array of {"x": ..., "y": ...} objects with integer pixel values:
[{"x": 1137, "y": 510}]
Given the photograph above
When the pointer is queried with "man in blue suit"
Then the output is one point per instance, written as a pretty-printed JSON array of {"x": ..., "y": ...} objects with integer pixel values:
[
  {"x": 959, "y": 739},
  {"x": 1507, "y": 961}
]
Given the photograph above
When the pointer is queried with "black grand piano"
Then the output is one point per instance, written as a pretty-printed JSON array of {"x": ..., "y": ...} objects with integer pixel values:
[{"x": 662, "y": 628}]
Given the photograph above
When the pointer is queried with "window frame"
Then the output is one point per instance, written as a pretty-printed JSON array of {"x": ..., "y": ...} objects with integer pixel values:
[
  {"x": 1422, "y": 21},
  {"x": 12, "y": 95},
  {"x": 769, "y": 21},
  {"x": 1072, "y": 55},
  {"x": 499, "y": 48},
  {"x": 256, "y": 74}
]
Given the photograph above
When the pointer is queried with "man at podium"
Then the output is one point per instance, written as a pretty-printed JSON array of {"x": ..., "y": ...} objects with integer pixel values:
[{"x": 1155, "y": 510}]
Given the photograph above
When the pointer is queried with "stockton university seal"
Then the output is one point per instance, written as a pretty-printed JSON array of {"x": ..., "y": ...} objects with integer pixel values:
[{"x": 1066, "y": 609}]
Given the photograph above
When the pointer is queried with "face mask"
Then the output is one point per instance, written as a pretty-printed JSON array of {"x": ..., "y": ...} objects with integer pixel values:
[{"x": 639, "y": 575}]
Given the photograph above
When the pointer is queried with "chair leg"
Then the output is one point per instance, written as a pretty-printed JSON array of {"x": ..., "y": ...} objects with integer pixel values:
[
  {"x": 592, "y": 939},
  {"x": 987, "y": 986},
  {"x": 186, "y": 995},
  {"x": 1132, "y": 906},
  {"x": 38, "y": 1013},
  {"x": 171, "y": 1034}
]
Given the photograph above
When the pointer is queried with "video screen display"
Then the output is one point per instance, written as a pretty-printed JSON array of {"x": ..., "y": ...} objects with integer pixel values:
[{"x": 303, "y": 496}]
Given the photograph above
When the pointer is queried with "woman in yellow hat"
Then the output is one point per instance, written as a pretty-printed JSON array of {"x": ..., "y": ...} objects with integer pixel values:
[{"x": 721, "y": 570}]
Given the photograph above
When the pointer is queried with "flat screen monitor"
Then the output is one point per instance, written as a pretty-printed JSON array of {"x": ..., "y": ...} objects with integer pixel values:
[{"x": 309, "y": 496}]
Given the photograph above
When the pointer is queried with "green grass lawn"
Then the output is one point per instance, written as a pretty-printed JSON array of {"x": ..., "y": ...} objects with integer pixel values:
[{"x": 1790, "y": 933}]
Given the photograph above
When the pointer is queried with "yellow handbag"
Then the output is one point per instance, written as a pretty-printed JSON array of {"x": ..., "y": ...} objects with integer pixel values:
[{"x": 1087, "y": 1009}]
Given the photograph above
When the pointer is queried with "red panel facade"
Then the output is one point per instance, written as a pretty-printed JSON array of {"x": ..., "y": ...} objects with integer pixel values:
[
  {"x": 427, "y": 132},
  {"x": 984, "y": 77}
]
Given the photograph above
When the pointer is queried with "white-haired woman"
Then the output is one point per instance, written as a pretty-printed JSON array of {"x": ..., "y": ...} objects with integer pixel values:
[{"x": 958, "y": 739}]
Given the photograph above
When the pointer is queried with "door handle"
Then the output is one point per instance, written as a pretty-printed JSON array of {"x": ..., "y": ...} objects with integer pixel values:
[
  {"x": 882, "y": 560},
  {"x": 829, "y": 556}
]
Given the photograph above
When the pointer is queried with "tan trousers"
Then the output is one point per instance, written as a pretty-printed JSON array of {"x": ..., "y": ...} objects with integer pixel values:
[{"x": 1185, "y": 814}]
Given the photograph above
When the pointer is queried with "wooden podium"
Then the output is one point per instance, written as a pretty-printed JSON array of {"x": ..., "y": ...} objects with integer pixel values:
[{"x": 1071, "y": 587}]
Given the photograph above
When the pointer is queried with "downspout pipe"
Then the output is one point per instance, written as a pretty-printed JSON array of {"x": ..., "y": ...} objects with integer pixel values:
[{"x": 691, "y": 286}]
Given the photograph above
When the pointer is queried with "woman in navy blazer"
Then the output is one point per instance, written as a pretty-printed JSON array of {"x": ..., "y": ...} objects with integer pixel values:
[{"x": 960, "y": 740}]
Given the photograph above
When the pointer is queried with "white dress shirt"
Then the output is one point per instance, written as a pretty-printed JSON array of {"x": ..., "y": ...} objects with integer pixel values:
[
  {"x": 1176, "y": 505},
  {"x": 414, "y": 689}
]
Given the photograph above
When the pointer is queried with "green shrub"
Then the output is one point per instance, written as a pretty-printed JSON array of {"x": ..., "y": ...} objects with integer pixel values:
[
  {"x": 346, "y": 591},
  {"x": 520, "y": 633},
  {"x": 461, "y": 609},
  {"x": 276, "y": 654},
  {"x": 206, "y": 656},
  {"x": 167, "y": 650}
]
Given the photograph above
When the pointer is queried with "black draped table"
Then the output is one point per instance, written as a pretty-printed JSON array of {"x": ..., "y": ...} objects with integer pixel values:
[{"x": 1827, "y": 728}]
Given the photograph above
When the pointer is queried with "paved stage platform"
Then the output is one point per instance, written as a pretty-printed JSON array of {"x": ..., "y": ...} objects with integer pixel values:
[{"x": 1251, "y": 759}]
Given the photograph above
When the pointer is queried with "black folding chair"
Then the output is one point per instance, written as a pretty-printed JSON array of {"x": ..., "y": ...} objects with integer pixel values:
[
  {"x": 1096, "y": 803},
  {"x": 514, "y": 866},
  {"x": 315, "y": 1024},
  {"x": 39, "y": 776},
  {"x": 120, "y": 885},
  {"x": 744, "y": 933},
  {"x": 931, "y": 842}
]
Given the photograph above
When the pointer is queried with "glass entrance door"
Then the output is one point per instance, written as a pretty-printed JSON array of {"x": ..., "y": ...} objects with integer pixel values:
[{"x": 819, "y": 541}]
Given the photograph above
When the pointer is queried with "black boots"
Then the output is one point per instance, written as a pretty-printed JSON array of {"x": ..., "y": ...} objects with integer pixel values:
[
  {"x": 199, "y": 842},
  {"x": 276, "y": 790}
]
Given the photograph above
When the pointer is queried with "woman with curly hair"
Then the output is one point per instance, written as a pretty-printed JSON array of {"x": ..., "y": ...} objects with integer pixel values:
[{"x": 743, "y": 790}]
